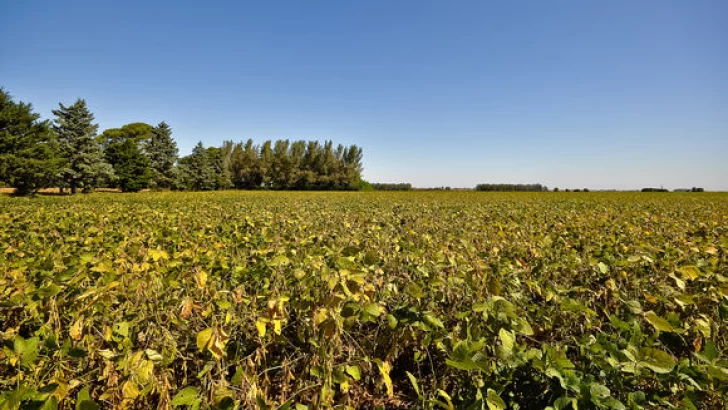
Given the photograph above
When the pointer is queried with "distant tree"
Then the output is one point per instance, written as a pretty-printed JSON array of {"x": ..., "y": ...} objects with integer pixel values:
[
  {"x": 392, "y": 187},
  {"x": 219, "y": 159},
  {"x": 365, "y": 186},
  {"x": 556, "y": 189},
  {"x": 237, "y": 162},
  {"x": 328, "y": 164},
  {"x": 266, "y": 164},
  {"x": 251, "y": 176},
  {"x": 29, "y": 159},
  {"x": 296, "y": 177},
  {"x": 139, "y": 132},
  {"x": 124, "y": 149},
  {"x": 130, "y": 165},
  {"x": 654, "y": 190},
  {"x": 84, "y": 164},
  {"x": 310, "y": 166},
  {"x": 280, "y": 165},
  {"x": 511, "y": 187},
  {"x": 353, "y": 159},
  {"x": 162, "y": 152},
  {"x": 200, "y": 167}
]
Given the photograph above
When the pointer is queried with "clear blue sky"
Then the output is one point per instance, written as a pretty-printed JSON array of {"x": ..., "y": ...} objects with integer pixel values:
[{"x": 600, "y": 94}]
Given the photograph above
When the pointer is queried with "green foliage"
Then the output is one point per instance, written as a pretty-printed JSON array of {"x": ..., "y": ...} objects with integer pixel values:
[
  {"x": 162, "y": 152},
  {"x": 138, "y": 132},
  {"x": 448, "y": 300},
  {"x": 130, "y": 165},
  {"x": 197, "y": 171},
  {"x": 124, "y": 149},
  {"x": 84, "y": 165},
  {"x": 29, "y": 159},
  {"x": 365, "y": 186},
  {"x": 391, "y": 186},
  {"x": 511, "y": 187},
  {"x": 298, "y": 165}
]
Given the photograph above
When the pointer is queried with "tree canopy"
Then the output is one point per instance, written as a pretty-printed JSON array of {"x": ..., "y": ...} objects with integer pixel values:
[
  {"x": 84, "y": 165},
  {"x": 29, "y": 157},
  {"x": 162, "y": 152},
  {"x": 71, "y": 154}
]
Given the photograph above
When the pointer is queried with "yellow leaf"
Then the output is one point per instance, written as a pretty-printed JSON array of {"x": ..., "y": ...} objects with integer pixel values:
[
  {"x": 260, "y": 325},
  {"x": 649, "y": 297},
  {"x": 217, "y": 344},
  {"x": 76, "y": 331},
  {"x": 277, "y": 327},
  {"x": 130, "y": 390},
  {"x": 201, "y": 278},
  {"x": 144, "y": 371},
  {"x": 156, "y": 255},
  {"x": 384, "y": 368},
  {"x": 690, "y": 272},
  {"x": 203, "y": 338}
]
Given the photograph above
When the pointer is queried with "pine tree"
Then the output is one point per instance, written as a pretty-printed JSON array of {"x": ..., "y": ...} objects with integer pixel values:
[
  {"x": 162, "y": 152},
  {"x": 28, "y": 149},
  {"x": 200, "y": 168},
  {"x": 84, "y": 164}
]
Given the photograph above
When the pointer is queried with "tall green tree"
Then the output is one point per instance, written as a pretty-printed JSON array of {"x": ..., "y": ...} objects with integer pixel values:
[
  {"x": 244, "y": 166},
  {"x": 140, "y": 132},
  {"x": 252, "y": 175},
  {"x": 296, "y": 179},
  {"x": 130, "y": 165},
  {"x": 223, "y": 167},
  {"x": 124, "y": 149},
  {"x": 237, "y": 163},
  {"x": 281, "y": 165},
  {"x": 162, "y": 152},
  {"x": 265, "y": 164},
  {"x": 84, "y": 163},
  {"x": 201, "y": 169},
  {"x": 29, "y": 158}
]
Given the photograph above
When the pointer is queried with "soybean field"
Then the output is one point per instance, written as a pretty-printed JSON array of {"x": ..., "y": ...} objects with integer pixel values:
[{"x": 364, "y": 300}]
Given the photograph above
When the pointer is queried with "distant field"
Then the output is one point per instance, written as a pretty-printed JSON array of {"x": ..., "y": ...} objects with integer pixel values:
[
  {"x": 367, "y": 300},
  {"x": 56, "y": 190}
]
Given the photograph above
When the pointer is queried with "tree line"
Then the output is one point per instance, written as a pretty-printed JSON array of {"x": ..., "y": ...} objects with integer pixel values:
[
  {"x": 391, "y": 186},
  {"x": 68, "y": 153},
  {"x": 511, "y": 187}
]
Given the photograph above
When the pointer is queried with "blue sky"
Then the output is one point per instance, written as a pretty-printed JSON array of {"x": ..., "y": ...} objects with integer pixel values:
[{"x": 599, "y": 94}]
